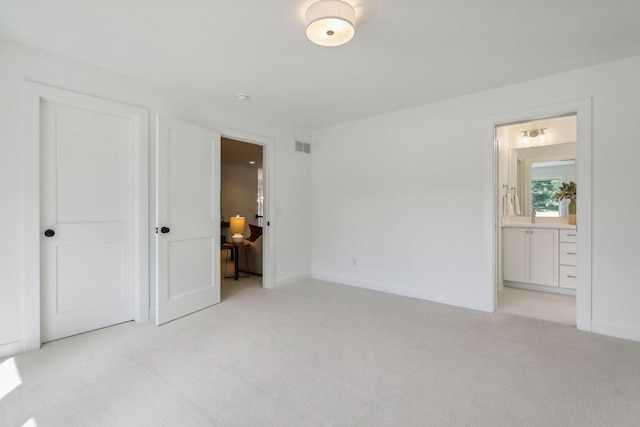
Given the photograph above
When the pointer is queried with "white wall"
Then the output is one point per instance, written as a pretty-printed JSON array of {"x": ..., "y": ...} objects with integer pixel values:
[
  {"x": 292, "y": 175},
  {"x": 402, "y": 194},
  {"x": 239, "y": 193}
]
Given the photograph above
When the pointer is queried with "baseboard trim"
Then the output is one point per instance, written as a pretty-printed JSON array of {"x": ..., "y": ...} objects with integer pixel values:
[
  {"x": 615, "y": 330},
  {"x": 540, "y": 288},
  {"x": 292, "y": 279},
  {"x": 438, "y": 297},
  {"x": 12, "y": 348}
]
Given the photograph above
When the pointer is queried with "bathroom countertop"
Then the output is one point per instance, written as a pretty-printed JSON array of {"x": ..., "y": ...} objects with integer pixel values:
[{"x": 541, "y": 222}]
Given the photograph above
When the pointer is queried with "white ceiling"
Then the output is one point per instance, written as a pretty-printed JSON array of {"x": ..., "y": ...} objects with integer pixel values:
[{"x": 405, "y": 52}]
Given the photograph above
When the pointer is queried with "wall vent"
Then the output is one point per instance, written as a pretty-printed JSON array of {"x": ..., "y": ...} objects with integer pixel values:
[{"x": 303, "y": 147}]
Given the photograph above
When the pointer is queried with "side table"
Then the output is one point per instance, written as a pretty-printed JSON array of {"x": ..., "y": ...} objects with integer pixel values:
[{"x": 236, "y": 261}]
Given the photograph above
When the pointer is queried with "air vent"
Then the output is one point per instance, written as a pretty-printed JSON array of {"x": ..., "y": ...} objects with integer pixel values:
[{"x": 303, "y": 147}]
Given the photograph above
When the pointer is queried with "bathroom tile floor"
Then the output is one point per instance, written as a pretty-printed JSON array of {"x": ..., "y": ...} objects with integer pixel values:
[{"x": 539, "y": 305}]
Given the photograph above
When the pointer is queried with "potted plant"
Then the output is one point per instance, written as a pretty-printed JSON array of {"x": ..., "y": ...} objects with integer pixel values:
[{"x": 568, "y": 191}]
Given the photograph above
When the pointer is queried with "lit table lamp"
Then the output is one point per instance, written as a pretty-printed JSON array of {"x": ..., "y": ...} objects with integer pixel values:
[{"x": 236, "y": 228}]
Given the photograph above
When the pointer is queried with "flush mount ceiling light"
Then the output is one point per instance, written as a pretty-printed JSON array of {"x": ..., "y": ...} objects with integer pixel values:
[
  {"x": 330, "y": 22},
  {"x": 242, "y": 97}
]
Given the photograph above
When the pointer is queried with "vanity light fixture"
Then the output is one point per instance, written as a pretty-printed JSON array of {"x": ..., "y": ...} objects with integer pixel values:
[
  {"x": 542, "y": 136},
  {"x": 330, "y": 22},
  {"x": 533, "y": 135}
]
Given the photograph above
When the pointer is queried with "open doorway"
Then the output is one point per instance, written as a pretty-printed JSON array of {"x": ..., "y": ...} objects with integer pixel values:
[
  {"x": 242, "y": 201},
  {"x": 536, "y": 233}
]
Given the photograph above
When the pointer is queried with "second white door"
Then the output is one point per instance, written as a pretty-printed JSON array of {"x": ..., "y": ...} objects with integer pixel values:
[{"x": 187, "y": 219}]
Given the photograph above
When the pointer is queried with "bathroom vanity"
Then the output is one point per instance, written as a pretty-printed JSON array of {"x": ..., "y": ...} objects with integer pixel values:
[{"x": 540, "y": 256}]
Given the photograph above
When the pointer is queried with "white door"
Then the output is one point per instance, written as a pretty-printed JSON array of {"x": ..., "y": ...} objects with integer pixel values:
[
  {"x": 86, "y": 218},
  {"x": 187, "y": 219}
]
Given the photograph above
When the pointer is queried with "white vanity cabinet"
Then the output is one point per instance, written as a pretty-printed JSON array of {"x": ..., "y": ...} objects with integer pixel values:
[
  {"x": 568, "y": 257},
  {"x": 530, "y": 255}
]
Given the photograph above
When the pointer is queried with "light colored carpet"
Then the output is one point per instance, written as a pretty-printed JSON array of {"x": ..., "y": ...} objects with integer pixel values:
[
  {"x": 541, "y": 305},
  {"x": 319, "y": 354}
]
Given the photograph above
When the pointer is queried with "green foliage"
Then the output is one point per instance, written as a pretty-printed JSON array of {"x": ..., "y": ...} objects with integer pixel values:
[
  {"x": 567, "y": 191},
  {"x": 542, "y": 195}
]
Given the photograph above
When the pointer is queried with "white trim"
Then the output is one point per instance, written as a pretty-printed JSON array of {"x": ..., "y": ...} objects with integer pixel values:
[
  {"x": 581, "y": 107},
  {"x": 292, "y": 279},
  {"x": 34, "y": 94},
  {"x": 31, "y": 215},
  {"x": 217, "y": 172},
  {"x": 616, "y": 330},
  {"x": 439, "y": 297},
  {"x": 153, "y": 313},
  {"x": 583, "y": 213},
  {"x": 141, "y": 214},
  {"x": 11, "y": 349},
  {"x": 268, "y": 253}
]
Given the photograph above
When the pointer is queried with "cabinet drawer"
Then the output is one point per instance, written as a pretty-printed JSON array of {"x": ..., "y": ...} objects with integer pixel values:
[
  {"x": 568, "y": 253},
  {"x": 567, "y": 277},
  {"x": 569, "y": 236}
]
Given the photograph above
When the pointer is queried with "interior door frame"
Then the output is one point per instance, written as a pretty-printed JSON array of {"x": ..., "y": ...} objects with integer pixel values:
[
  {"x": 268, "y": 234},
  {"x": 34, "y": 95},
  {"x": 583, "y": 110}
]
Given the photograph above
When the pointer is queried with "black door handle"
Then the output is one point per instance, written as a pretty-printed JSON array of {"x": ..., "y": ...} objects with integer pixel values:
[
  {"x": 165, "y": 230},
  {"x": 49, "y": 233}
]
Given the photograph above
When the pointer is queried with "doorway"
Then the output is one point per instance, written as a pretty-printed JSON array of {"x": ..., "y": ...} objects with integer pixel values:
[
  {"x": 537, "y": 263},
  {"x": 242, "y": 203},
  {"x": 582, "y": 110}
]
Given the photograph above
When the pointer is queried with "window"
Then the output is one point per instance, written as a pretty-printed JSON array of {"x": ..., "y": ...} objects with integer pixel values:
[{"x": 542, "y": 196}]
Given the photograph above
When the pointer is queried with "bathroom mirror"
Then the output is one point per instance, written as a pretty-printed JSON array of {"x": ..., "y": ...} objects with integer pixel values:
[{"x": 536, "y": 174}]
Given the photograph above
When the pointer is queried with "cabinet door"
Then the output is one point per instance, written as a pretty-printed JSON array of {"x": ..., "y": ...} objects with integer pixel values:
[
  {"x": 515, "y": 254},
  {"x": 544, "y": 257}
]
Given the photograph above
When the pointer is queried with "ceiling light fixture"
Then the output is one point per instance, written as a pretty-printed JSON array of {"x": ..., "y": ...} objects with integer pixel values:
[
  {"x": 242, "y": 97},
  {"x": 330, "y": 22}
]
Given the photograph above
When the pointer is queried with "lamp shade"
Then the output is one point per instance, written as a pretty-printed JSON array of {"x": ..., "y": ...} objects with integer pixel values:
[
  {"x": 330, "y": 22},
  {"x": 236, "y": 225}
]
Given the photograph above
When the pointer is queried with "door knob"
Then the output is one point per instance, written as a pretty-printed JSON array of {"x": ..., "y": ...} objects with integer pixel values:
[
  {"x": 165, "y": 230},
  {"x": 49, "y": 233}
]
